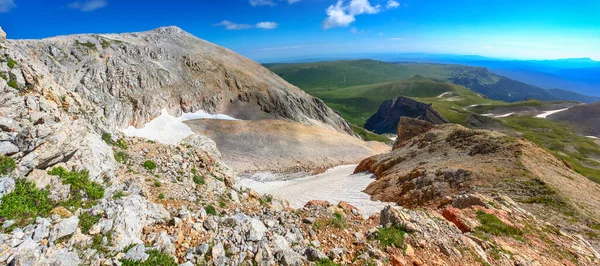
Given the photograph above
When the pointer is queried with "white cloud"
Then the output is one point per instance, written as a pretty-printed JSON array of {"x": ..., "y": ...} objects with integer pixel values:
[
  {"x": 6, "y": 5},
  {"x": 396, "y": 39},
  {"x": 262, "y": 3},
  {"x": 342, "y": 15},
  {"x": 267, "y": 25},
  {"x": 358, "y": 7},
  {"x": 233, "y": 26},
  {"x": 337, "y": 16},
  {"x": 391, "y": 4},
  {"x": 88, "y": 5}
]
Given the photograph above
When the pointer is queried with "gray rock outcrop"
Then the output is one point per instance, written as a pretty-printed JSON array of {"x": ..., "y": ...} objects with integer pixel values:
[{"x": 389, "y": 113}]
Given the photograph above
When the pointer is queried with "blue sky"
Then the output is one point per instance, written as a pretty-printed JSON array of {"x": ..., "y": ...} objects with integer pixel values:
[{"x": 267, "y": 30}]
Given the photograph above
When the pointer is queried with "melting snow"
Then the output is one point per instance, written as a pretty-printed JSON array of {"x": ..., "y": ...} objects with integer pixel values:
[
  {"x": 547, "y": 113},
  {"x": 335, "y": 185},
  {"x": 168, "y": 129},
  {"x": 505, "y": 115}
]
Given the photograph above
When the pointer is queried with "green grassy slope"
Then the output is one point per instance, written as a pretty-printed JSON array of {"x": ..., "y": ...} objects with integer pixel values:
[
  {"x": 357, "y": 88},
  {"x": 341, "y": 74}
]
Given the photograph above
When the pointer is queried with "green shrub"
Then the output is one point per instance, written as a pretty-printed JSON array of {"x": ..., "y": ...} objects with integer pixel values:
[
  {"x": 392, "y": 236},
  {"x": 210, "y": 210},
  {"x": 94, "y": 191},
  {"x": 326, "y": 262},
  {"x": 199, "y": 179},
  {"x": 157, "y": 184},
  {"x": 492, "y": 225},
  {"x": 121, "y": 143},
  {"x": 25, "y": 202},
  {"x": 121, "y": 157},
  {"x": 87, "y": 220},
  {"x": 149, "y": 165},
  {"x": 222, "y": 204},
  {"x": 7, "y": 165},
  {"x": 105, "y": 43},
  {"x": 12, "y": 81},
  {"x": 79, "y": 181},
  {"x": 88, "y": 44},
  {"x": 11, "y": 63},
  {"x": 337, "y": 221},
  {"x": 107, "y": 137},
  {"x": 161, "y": 196},
  {"x": 156, "y": 258}
]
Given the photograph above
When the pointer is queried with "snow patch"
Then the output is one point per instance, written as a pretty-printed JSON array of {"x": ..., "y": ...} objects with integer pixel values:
[
  {"x": 505, "y": 115},
  {"x": 168, "y": 129},
  {"x": 335, "y": 185},
  {"x": 444, "y": 94},
  {"x": 547, "y": 113},
  {"x": 591, "y": 137}
]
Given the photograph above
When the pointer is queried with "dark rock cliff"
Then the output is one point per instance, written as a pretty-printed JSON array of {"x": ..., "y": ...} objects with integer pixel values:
[{"x": 387, "y": 117}]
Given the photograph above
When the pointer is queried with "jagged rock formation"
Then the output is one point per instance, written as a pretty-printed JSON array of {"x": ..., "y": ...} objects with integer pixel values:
[{"x": 389, "y": 113}]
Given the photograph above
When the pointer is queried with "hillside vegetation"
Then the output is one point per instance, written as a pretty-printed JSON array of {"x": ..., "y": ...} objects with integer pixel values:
[
  {"x": 342, "y": 74},
  {"x": 357, "y": 88}
]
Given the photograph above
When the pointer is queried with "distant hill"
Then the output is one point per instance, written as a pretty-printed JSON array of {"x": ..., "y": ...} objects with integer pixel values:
[
  {"x": 338, "y": 74},
  {"x": 584, "y": 118}
]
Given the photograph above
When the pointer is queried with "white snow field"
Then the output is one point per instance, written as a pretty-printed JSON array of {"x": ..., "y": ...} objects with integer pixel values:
[
  {"x": 335, "y": 185},
  {"x": 168, "y": 129},
  {"x": 547, "y": 113}
]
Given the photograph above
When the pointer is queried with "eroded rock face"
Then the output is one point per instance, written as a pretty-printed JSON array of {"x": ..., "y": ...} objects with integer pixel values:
[
  {"x": 130, "y": 78},
  {"x": 387, "y": 117},
  {"x": 409, "y": 128}
]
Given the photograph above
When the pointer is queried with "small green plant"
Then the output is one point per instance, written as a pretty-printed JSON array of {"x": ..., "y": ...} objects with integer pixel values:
[
  {"x": 105, "y": 43},
  {"x": 12, "y": 81},
  {"x": 492, "y": 225},
  {"x": 121, "y": 143},
  {"x": 11, "y": 63},
  {"x": 161, "y": 196},
  {"x": 119, "y": 195},
  {"x": 25, "y": 202},
  {"x": 121, "y": 157},
  {"x": 318, "y": 224},
  {"x": 107, "y": 137},
  {"x": 88, "y": 44},
  {"x": 87, "y": 220},
  {"x": 7, "y": 165},
  {"x": 199, "y": 179},
  {"x": 149, "y": 165},
  {"x": 222, "y": 204},
  {"x": 391, "y": 236},
  {"x": 210, "y": 210},
  {"x": 156, "y": 258},
  {"x": 79, "y": 181},
  {"x": 326, "y": 262},
  {"x": 337, "y": 221},
  {"x": 157, "y": 184}
]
